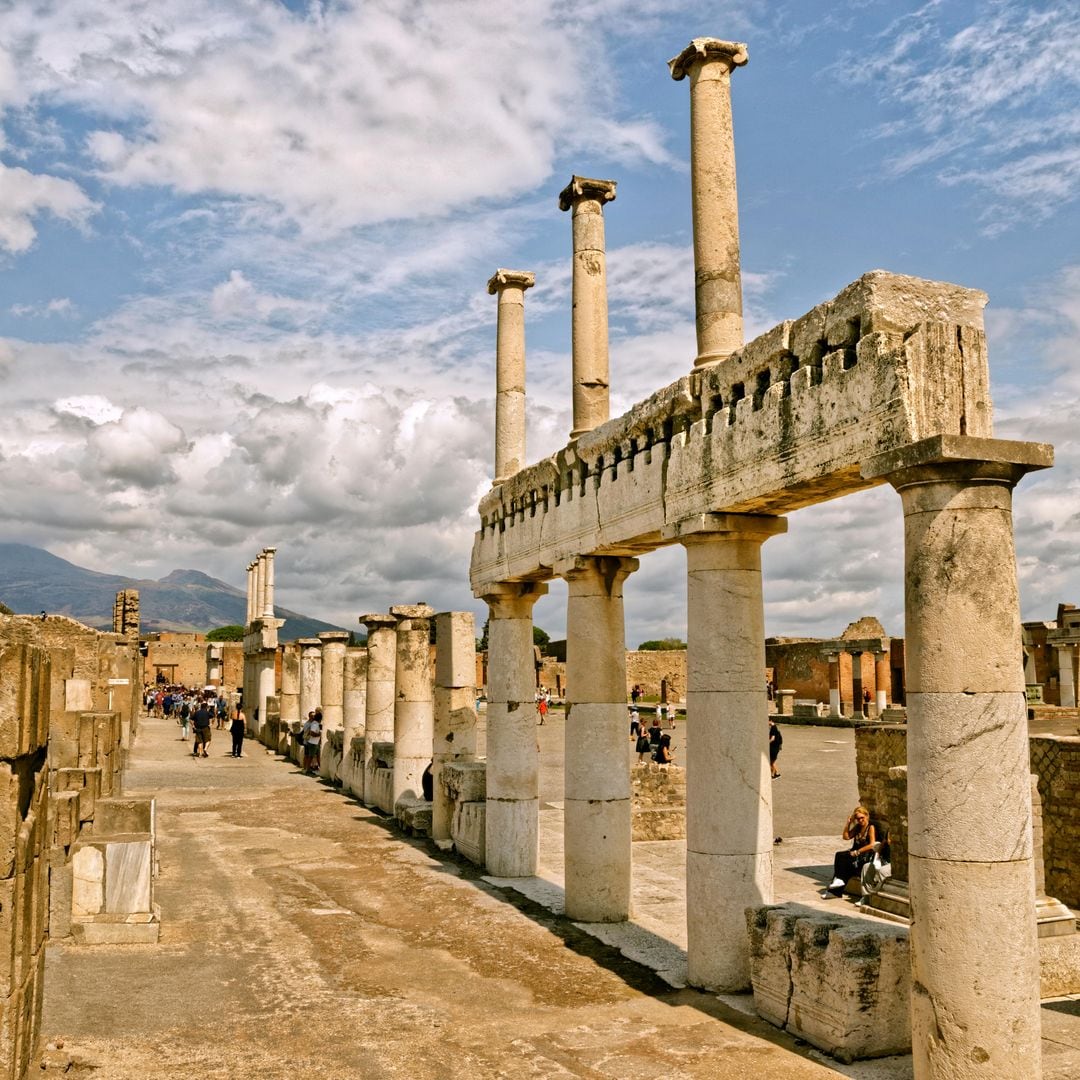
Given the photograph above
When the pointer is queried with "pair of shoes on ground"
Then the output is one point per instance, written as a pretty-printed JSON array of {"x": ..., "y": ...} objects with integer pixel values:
[
  {"x": 776, "y": 776},
  {"x": 834, "y": 890}
]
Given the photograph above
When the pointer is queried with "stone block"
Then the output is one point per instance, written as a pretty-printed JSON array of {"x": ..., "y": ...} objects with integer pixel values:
[
  {"x": 841, "y": 983},
  {"x": 127, "y": 877},
  {"x": 78, "y": 696},
  {"x": 88, "y": 885},
  {"x": 65, "y": 814},
  {"x": 468, "y": 830},
  {"x": 414, "y": 816},
  {"x": 61, "y": 883},
  {"x": 115, "y": 816},
  {"x": 115, "y": 933},
  {"x": 465, "y": 781}
]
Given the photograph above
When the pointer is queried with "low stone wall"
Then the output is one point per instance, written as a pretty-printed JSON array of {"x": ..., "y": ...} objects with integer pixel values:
[
  {"x": 465, "y": 784},
  {"x": 24, "y": 861},
  {"x": 333, "y": 749},
  {"x": 1056, "y": 762},
  {"x": 841, "y": 983},
  {"x": 881, "y": 764},
  {"x": 351, "y": 770},
  {"x": 379, "y": 780},
  {"x": 658, "y": 793}
]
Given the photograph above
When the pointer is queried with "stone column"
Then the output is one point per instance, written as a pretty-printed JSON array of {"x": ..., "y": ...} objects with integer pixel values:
[
  {"x": 414, "y": 706},
  {"x": 718, "y": 280},
  {"x": 1066, "y": 682},
  {"x": 382, "y": 657},
  {"x": 856, "y": 682},
  {"x": 729, "y": 834},
  {"x": 512, "y": 825},
  {"x": 589, "y": 329},
  {"x": 596, "y": 820},
  {"x": 268, "y": 583},
  {"x": 975, "y": 961},
  {"x": 250, "y": 595},
  {"x": 332, "y": 678},
  {"x": 455, "y": 707},
  {"x": 266, "y": 686},
  {"x": 290, "y": 683},
  {"x": 260, "y": 586},
  {"x": 510, "y": 286},
  {"x": 354, "y": 694},
  {"x": 834, "y": 683},
  {"x": 882, "y": 679},
  {"x": 310, "y": 675}
]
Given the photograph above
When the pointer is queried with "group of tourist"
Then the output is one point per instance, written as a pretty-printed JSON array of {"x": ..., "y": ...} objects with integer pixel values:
[
  {"x": 197, "y": 712},
  {"x": 653, "y": 743}
]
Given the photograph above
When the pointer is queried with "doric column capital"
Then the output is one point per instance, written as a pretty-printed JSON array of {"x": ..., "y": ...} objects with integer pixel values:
[
  {"x": 307, "y": 644},
  {"x": 702, "y": 50},
  {"x": 582, "y": 187},
  {"x": 512, "y": 599},
  {"x": 269, "y": 551},
  {"x": 612, "y": 570},
  {"x": 411, "y": 613},
  {"x": 334, "y": 637},
  {"x": 378, "y": 620},
  {"x": 703, "y": 527},
  {"x": 517, "y": 279}
]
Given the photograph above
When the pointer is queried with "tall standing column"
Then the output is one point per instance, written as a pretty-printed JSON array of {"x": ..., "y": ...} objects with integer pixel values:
[
  {"x": 834, "y": 683},
  {"x": 717, "y": 277},
  {"x": 332, "y": 690},
  {"x": 729, "y": 830},
  {"x": 414, "y": 706},
  {"x": 382, "y": 659},
  {"x": 455, "y": 707},
  {"x": 268, "y": 583},
  {"x": 882, "y": 679},
  {"x": 354, "y": 694},
  {"x": 597, "y": 812},
  {"x": 266, "y": 686},
  {"x": 857, "y": 681},
  {"x": 250, "y": 618},
  {"x": 260, "y": 586},
  {"x": 510, "y": 286},
  {"x": 975, "y": 1010},
  {"x": 589, "y": 327},
  {"x": 512, "y": 822},
  {"x": 310, "y": 675},
  {"x": 1066, "y": 682}
]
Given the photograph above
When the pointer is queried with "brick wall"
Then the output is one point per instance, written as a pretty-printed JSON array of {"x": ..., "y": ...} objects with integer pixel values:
[
  {"x": 880, "y": 748},
  {"x": 1056, "y": 762},
  {"x": 658, "y": 794}
]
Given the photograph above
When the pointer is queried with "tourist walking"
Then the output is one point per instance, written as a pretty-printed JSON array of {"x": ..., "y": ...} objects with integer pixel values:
[
  {"x": 201, "y": 722},
  {"x": 655, "y": 733},
  {"x": 671, "y": 714},
  {"x": 776, "y": 741},
  {"x": 542, "y": 707},
  {"x": 236, "y": 729},
  {"x": 635, "y": 723}
]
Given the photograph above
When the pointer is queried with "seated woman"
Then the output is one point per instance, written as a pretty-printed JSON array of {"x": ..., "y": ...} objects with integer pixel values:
[
  {"x": 663, "y": 755},
  {"x": 846, "y": 864}
]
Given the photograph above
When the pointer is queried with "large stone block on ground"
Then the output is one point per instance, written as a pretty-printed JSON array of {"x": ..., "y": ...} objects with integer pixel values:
[
  {"x": 468, "y": 830},
  {"x": 116, "y": 816},
  {"x": 464, "y": 781},
  {"x": 414, "y": 815},
  {"x": 840, "y": 982}
]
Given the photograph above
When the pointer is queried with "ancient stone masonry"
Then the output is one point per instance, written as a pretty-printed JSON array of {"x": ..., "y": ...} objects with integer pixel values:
[
  {"x": 25, "y": 678},
  {"x": 887, "y": 382},
  {"x": 260, "y": 640},
  {"x": 126, "y": 615}
]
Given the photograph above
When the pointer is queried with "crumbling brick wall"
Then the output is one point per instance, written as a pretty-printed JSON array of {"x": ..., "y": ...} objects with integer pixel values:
[
  {"x": 659, "y": 802},
  {"x": 1055, "y": 759},
  {"x": 24, "y": 882}
]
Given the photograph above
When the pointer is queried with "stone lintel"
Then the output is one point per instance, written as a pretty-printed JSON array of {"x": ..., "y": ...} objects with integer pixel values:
[
  {"x": 377, "y": 620},
  {"x": 1068, "y": 635},
  {"x": 1017, "y": 457},
  {"x": 855, "y": 645},
  {"x": 582, "y": 187},
  {"x": 703, "y": 525},
  {"x": 411, "y": 611},
  {"x": 521, "y": 279},
  {"x": 329, "y": 636},
  {"x": 733, "y": 53}
]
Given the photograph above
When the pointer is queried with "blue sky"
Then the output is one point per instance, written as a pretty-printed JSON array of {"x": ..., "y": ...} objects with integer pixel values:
[{"x": 244, "y": 244}]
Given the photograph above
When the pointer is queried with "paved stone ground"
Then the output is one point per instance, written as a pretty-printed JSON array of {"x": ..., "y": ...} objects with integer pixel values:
[{"x": 302, "y": 937}]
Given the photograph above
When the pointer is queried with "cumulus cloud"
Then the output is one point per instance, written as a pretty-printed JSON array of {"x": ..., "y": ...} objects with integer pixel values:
[
  {"x": 60, "y": 305},
  {"x": 25, "y": 195}
]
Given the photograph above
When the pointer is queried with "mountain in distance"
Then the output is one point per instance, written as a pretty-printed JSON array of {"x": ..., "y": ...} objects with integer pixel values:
[{"x": 33, "y": 580}]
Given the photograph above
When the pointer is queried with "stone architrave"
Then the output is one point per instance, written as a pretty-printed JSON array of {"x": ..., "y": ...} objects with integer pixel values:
[
  {"x": 382, "y": 659},
  {"x": 597, "y": 817},
  {"x": 512, "y": 809},
  {"x": 718, "y": 279},
  {"x": 455, "y": 708},
  {"x": 589, "y": 319},
  {"x": 290, "y": 682},
  {"x": 414, "y": 706},
  {"x": 975, "y": 1009},
  {"x": 310, "y": 675},
  {"x": 354, "y": 695},
  {"x": 510, "y": 286},
  {"x": 729, "y": 834}
]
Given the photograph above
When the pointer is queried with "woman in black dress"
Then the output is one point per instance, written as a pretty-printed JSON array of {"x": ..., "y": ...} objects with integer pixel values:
[{"x": 846, "y": 864}]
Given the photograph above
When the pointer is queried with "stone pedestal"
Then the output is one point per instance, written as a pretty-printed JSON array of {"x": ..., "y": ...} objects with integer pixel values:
[
  {"x": 510, "y": 286},
  {"x": 975, "y": 1010},
  {"x": 513, "y": 755},
  {"x": 589, "y": 327},
  {"x": 718, "y": 281},
  {"x": 597, "y": 816},
  {"x": 382, "y": 658},
  {"x": 414, "y": 709},
  {"x": 729, "y": 830},
  {"x": 455, "y": 709}
]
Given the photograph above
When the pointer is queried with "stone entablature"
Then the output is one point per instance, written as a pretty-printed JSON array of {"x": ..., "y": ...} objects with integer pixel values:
[{"x": 783, "y": 423}]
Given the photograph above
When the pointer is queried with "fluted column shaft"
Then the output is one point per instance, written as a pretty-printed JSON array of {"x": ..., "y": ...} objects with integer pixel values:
[
  {"x": 597, "y": 815},
  {"x": 512, "y": 823}
]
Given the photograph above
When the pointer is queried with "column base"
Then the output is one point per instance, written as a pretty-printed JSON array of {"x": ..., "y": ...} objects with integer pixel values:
[{"x": 512, "y": 837}]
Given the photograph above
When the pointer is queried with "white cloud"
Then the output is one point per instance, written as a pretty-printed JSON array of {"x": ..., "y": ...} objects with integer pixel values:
[
  {"x": 60, "y": 305},
  {"x": 25, "y": 195},
  {"x": 237, "y": 298}
]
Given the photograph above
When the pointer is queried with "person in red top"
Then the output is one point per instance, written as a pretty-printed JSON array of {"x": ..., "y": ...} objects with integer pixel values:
[{"x": 542, "y": 707}]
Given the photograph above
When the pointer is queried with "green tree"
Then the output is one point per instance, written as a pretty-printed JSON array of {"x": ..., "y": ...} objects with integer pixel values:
[
  {"x": 540, "y": 637},
  {"x": 225, "y": 633},
  {"x": 668, "y": 644}
]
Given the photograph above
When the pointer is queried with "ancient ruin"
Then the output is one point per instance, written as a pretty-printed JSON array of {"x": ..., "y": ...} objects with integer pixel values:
[{"x": 885, "y": 383}]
